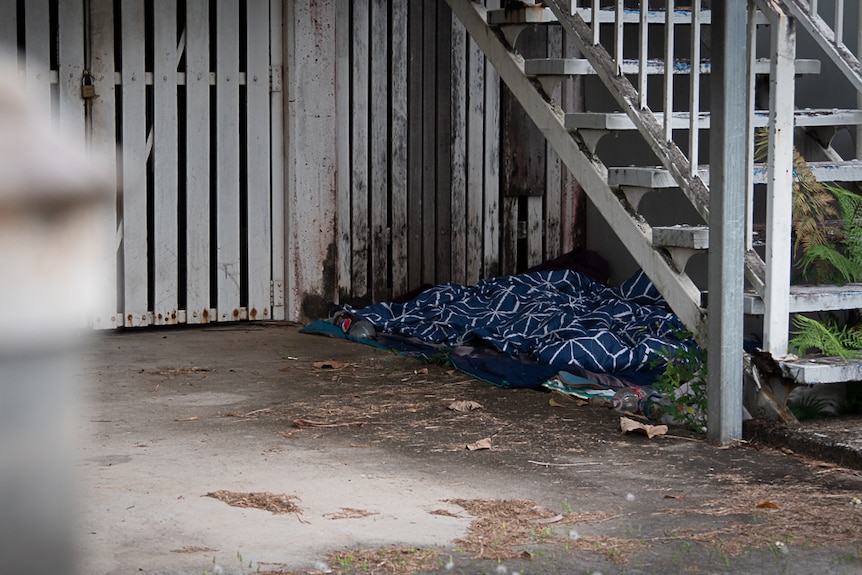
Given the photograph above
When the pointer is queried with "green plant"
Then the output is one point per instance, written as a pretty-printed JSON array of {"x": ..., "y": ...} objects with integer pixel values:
[
  {"x": 809, "y": 407},
  {"x": 682, "y": 386},
  {"x": 827, "y": 337}
]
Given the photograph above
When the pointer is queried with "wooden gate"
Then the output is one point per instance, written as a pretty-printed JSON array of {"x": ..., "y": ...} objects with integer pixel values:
[{"x": 186, "y": 94}]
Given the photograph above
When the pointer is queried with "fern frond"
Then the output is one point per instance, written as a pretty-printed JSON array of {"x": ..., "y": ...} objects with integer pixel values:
[
  {"x": 826, "y": 337},
  {"x": 845, "y": 271}
]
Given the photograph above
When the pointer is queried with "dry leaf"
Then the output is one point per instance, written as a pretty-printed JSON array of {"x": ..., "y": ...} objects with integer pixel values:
[
  {"x": 627, "y": 425},
  {"x": 330, "y": 364},
  {"x": 766, "y": 505},
  {"x": 465, "y": 405},
  {"x": 481, "y": 444},
  {"x": 193, "y": 418},
  {"x": 423, "y": 371},
  {"x": 554, "y": 403}
]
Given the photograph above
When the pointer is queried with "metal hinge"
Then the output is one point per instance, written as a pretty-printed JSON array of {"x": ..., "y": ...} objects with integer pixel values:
[{"x": 275, "y": 78}]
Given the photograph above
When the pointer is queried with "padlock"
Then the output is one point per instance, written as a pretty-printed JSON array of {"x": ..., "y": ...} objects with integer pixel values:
[{"x": 88, "y": 89}]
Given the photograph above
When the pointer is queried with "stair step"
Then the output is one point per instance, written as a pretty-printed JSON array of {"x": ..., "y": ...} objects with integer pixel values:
[
  {"x": 621, "y": 121},
  {"x": 582, "y": 66},
  {"x": 681, "y": 236},
  {"x": 811, "y": 298},
  {"x": 658, "y": 177},
  {"x": 822, "y": 370},
  {"x": 681, "y": 242}
]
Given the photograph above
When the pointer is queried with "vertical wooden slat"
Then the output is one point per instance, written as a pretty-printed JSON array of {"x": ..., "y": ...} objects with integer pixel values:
[
  {"x": 443, "y": 169},
  {"x": 415, "y": 107},
  {"x": 510, "y": 235},
  {"x": 197, "y": 162},
  {"x": 134, "y": 143},
  {"x": 379, "y": 149},
  {"x": 534, "y": 230},
  {"x": 429, "y": 142},
  {"x": 227, "y": 160},
  {"x": 475, "y": 159},
  {"x": 37, "y": 53},
  {"x": 344, "y": 73},
  {"x": 359, "y": 149},
  {"x": 311, "y": 166},
  {"x": 103, "y": 139},
  {"x": 165, "y": 174},
  {"x": 259, "y": 266},
  {"x": 573, "y": 198},
  {"x": 398, "y": 148},
  {"x": 277, "y": 163},
  {"x": 9, "y": 28},
  {"x": 459, "y": 153},
  {"x": 491, "y": 257},
  {"x": 553, "y": 166},
  {"x": 70, "y": 19}
]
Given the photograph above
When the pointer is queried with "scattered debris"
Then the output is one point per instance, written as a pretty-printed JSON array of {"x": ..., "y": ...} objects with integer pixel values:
[
  {"x": 503, "y": 526},
  {"x": 301, "y": 423},
  {"x": 481, "y": 444},
  {"x": 194, "y": 549},
  {"x": 766, "y": 505},
  {"x": 192, "y": 418},
  {"x": 465, "y": 406},
  {"x": 627, "y": 425},
  {"x": 384, "y": 561},
  {"x": 332, "y": 364},
  {"x": 274, "y": 503},
  {"x": 173, "y": 372},
  {"x": 350, "y": 513}
]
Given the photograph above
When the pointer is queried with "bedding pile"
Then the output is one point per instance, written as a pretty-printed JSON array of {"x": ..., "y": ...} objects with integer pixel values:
[{"x": 560, "y": 319}]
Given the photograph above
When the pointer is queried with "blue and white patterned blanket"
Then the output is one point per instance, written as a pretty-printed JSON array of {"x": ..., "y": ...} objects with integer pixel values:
[{"x": 560, "y": 318}]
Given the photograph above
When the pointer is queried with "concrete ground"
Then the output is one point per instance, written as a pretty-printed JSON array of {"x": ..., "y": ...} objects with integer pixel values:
[{"x": 364, "y": 445}]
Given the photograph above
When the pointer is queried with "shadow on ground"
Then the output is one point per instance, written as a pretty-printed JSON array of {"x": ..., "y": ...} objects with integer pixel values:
[{"x": 253, "y": 448}]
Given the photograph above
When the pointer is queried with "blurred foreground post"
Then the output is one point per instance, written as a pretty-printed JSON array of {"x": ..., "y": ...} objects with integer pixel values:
[{"x": 49, "y": 260}]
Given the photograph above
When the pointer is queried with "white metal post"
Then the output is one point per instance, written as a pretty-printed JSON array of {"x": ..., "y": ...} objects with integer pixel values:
[{"x": 726, "y": 222}]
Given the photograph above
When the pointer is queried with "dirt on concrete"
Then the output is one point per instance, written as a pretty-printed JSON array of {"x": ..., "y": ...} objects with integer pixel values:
[{"x": 375, "y": 464}]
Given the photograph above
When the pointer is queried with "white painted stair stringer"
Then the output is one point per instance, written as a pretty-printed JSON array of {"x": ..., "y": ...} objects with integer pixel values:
[{"x": 679, "y": 291}]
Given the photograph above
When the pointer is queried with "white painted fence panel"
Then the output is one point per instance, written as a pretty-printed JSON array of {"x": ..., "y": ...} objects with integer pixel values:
[
  {"x": 258, "y": 218},
  {"x": 198, "y": 163},
  {"x": 37, "y": 52},
  {"x": 103, "y": 140},
  {"x": 135, "y": 152},
  {"x": 228, "y": 264},
  {"x": 165, "y": 227},
  {"x": 70, "y": 53}
]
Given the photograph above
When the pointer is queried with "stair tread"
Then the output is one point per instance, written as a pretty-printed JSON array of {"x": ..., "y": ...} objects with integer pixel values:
[
  {"x": 660, "y": 177},
  {"x": 621, "y": 121},
  {"x": 681, "y": 236},
  {"x": 813, "y": 370},
  {"x": 582, "y": 66},
  {"x": 811, "y": 298}
]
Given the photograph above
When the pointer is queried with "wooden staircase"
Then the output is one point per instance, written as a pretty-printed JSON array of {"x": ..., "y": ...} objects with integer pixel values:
[{"x": 600, "y": 33}]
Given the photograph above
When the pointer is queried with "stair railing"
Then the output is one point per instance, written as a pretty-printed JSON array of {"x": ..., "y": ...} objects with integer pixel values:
[
  {"x": 810, "y": 16},
  {"x": 656, "y": 127},
  {"x": 583, "y": 19}
]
